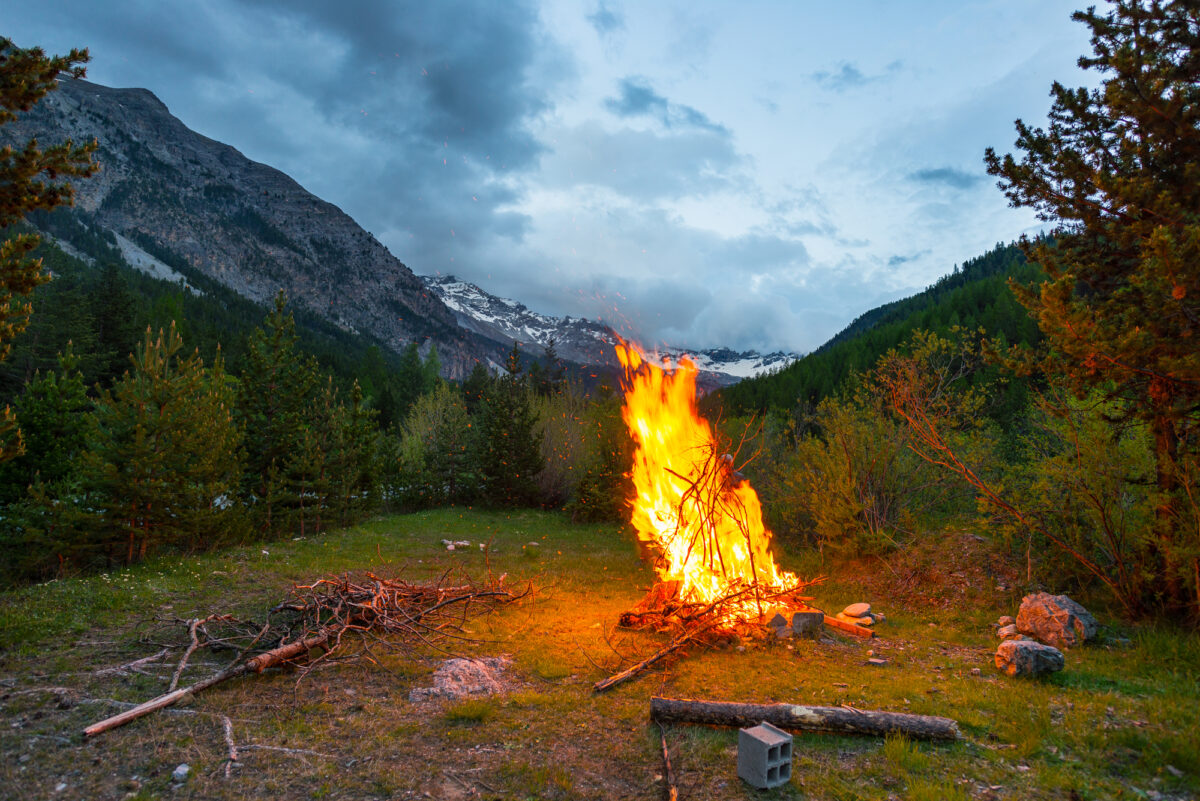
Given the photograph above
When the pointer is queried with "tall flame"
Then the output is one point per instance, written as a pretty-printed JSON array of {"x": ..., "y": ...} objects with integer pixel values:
[{"x": 703, "y": 520}]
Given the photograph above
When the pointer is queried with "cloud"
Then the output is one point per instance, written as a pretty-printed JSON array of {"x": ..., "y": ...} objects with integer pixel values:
[
  {"x": 949, "y": 176},
  {"x": 605, "y": 21},
  {"x": 638, "y": 99},
  {"x": 640, "y": 165},
  {"x": 848, "y": 76},
  {"x": 898, "y": 260}
]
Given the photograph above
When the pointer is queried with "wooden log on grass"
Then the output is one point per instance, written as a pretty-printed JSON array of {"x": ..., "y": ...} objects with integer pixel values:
[
  {"x": 256, "y": 665},
  {"x": 849, "y": 628},
  {"x": 793, "y": 717}
]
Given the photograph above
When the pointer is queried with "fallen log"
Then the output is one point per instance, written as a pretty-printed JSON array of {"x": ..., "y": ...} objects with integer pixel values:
[
  {"x": 849, "y": 628},
  {"x": 256, "y": 665},
  {"x": 825, "y": 719}
]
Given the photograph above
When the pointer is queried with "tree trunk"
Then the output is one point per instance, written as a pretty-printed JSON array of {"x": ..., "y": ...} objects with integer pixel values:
[
  {"x": 1166, "y": 514},
  {"x": 826, "y": 719}
]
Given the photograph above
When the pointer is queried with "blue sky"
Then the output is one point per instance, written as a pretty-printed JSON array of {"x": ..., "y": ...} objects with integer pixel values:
[{"x": 751, "y": 174}]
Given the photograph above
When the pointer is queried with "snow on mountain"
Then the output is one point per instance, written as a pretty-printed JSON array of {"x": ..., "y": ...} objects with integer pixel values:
[{"x": 580, "y": 340}]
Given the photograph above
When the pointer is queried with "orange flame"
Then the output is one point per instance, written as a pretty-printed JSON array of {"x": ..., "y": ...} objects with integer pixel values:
[{"x": 703, "y": 520}]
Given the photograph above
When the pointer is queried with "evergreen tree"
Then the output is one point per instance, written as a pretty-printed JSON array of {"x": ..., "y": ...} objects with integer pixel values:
[
  {"x": 29, "y": 179},
  {"x": 163, "y": 458},
  {"x": 116, "y": 324},
  {"x": 1119, "y": 170},
  {"x": 508, "y": 450},
  {"x": 410, "y": 380},
  {"x": 276, "y": 395},
  {"x": 475, "y": 387},
  {"x": 436, "y": 450},
  {"x": 52, "y": 413}
]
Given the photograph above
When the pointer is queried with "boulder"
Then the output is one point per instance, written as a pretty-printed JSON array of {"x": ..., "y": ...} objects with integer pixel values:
[
  {"x": 1006, "y": 620},
  {"x": 1055, "y": 620},
  {"x": 1028, "y": 658}
]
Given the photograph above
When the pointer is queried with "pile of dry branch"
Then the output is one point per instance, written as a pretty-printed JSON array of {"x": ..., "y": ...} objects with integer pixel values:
[{"x": 340, "y": 617}]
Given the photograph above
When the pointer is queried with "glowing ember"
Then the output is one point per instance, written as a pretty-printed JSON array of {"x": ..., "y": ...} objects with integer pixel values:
[{"x": 701, "y": 518}]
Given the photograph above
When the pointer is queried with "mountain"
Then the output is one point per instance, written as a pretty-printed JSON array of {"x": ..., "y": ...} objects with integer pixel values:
[
  {"x": 177, "y": 198},
  {"x": 583, "y": 341},
  {"x": 973, "y": 296}
]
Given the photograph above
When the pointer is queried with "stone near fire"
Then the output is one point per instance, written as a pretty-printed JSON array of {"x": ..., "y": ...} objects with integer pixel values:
[
  {"x": 1008, "y": 632},
  {"x": 807, "y": 624},
  {"x": 857, "y": 610},
  {"x": 778, "y": 621},
  {"x": 1006, "y": 620},
  {"x": 1028, "y": 658},
  {"x": 1055, "y": 620},
  {"x": 865, "y": 620}
]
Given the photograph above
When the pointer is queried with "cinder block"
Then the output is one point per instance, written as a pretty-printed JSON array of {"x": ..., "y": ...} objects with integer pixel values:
[
  {"x": 764, "y": 756},
  {"x": 807, "y": 624}
]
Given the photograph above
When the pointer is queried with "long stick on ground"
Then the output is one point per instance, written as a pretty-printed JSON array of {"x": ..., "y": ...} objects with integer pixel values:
[
  {"x": 629, "y": 673},
  {"x": 256, "y": 665},
  {"x": 827, "y": 719},
  {"x": 670, "y": 790}
]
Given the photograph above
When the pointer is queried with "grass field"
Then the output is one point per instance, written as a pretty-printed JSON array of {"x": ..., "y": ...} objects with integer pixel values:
[{"x": 1122, "y": 721}]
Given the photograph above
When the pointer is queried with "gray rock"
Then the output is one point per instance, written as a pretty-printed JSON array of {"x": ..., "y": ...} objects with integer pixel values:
[
  {"x": 1006, "y": 620},
  {"x": 1028, "y": 658},
  {"x": 1055, "y": 620},
  {"x": 857, "y": 610},
  {"x": 180, "y": 773}
]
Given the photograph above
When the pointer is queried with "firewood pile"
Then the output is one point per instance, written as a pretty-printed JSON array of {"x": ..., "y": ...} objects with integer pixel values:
[{"x": 340, "y": 618}]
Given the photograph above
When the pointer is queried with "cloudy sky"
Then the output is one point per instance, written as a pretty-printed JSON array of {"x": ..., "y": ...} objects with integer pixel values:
[{"x": 750, "y": 174}]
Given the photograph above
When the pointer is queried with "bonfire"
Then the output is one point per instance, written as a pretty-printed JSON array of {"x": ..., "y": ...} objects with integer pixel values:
[{"x": 697, "y": 515}]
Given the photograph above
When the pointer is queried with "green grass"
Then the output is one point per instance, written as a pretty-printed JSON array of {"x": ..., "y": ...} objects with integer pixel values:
[{"x": 1108, "y": 726}]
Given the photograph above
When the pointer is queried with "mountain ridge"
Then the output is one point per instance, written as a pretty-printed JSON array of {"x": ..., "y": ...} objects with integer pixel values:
[{"x": 242, "y": 223}]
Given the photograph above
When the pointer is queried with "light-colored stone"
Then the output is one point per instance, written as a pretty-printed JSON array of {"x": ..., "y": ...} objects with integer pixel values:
[
  {"x": 180, "y": 773},
  {"x": 1055, "y": 620},
  {"x": 1006, "y": 620},
  {"x": 457, "y": 678},
  {"x": 1028, "y": 658},
  {"x": 1007, "y": 632},
  {"x": 857, "y": 610}
]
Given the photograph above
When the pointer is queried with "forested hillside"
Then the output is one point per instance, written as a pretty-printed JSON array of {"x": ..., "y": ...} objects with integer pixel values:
[{"x": 975, "y": 295}]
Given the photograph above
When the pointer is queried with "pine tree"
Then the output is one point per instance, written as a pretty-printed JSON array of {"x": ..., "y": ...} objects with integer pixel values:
[
  {"x": 115, "y": 321},
  {"x": 29, "y": 179},
  {"x": 276, "y": 395},
  {"x": 1118, "y": 169},
  {"x": 508, "y": 450},
  {"x": 163, "y": 459},
  {"x": 52, "y": 412}
]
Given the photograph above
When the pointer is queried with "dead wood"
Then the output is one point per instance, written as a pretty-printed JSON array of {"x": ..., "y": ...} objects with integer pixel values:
[
  {"x": 826, "y": 719},
  {"x": 849, "y": 628},
  {"x": 662, "y": 653},
  {"x": 671, "y": 790},
  {"x": 334, "y": 615}
]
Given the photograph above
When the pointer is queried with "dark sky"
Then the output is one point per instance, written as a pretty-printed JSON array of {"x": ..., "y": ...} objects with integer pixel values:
[{"x": 753, "y": 175}]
